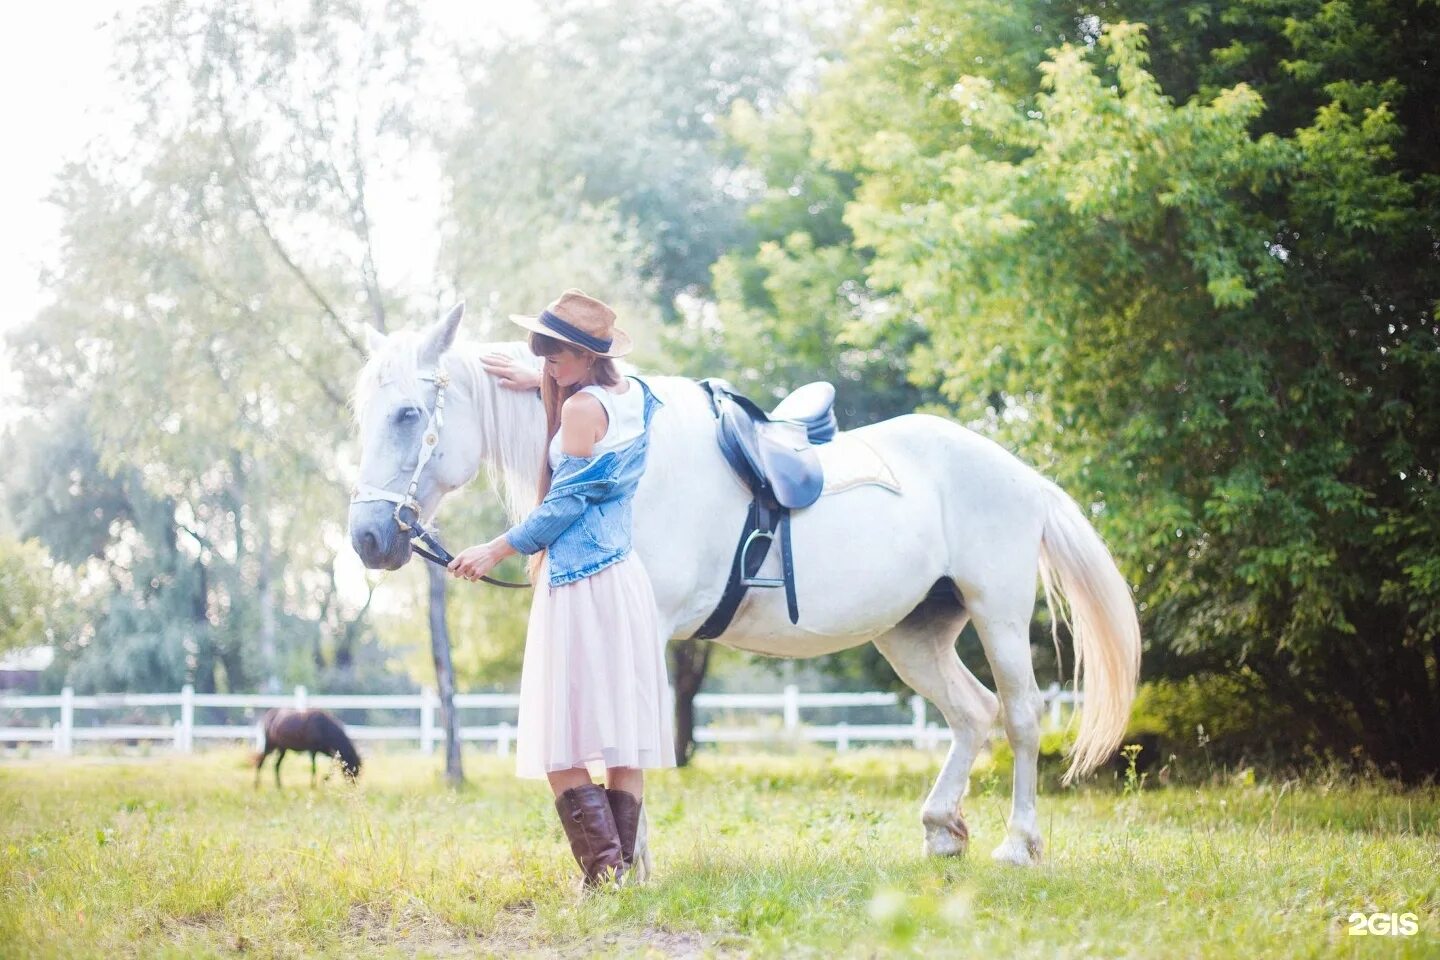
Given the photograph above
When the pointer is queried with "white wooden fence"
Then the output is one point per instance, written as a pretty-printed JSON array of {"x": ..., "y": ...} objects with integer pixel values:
[{"x": 62, "y": 734}]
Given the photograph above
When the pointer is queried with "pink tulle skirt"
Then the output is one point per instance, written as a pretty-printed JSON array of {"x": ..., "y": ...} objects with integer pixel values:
[{"x": 593, "y": 688}]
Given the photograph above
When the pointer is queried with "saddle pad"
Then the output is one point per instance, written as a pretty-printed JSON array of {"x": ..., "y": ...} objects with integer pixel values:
[{"x": 849, "y": 462}]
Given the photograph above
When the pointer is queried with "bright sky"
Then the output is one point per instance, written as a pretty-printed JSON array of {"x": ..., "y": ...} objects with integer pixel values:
[
  {"x": 54, "y": 71},
  {"x": 53, "y": 58}
]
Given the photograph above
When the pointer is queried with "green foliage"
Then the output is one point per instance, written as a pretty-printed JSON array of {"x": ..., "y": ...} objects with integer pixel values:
[
  {"x": 121, "y": 615},
  {"x": 1210, "y": 719},
  {"x": 27, "y": 593},
  {"x": 792, "y": 304},
  {"x": 560, "y": 179},
  {"x": 1198, "y": 289}
]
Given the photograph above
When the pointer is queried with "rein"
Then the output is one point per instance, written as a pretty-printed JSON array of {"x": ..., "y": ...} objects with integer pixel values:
[{"x": 436, "y": 554}]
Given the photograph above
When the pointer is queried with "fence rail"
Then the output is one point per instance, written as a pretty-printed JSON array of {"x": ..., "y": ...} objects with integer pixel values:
[{"x": 786, "y": 706}]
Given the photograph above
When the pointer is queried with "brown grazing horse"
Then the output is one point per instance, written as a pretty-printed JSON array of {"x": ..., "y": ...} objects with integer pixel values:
[{"x": 306, "y": 730}]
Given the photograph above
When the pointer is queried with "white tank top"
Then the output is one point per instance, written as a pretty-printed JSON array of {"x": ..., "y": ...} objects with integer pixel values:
[{"x": 626, "y": 413}]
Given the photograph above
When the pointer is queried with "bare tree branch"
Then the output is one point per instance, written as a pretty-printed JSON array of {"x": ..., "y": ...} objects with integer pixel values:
[{"x": 253, "y": 202}]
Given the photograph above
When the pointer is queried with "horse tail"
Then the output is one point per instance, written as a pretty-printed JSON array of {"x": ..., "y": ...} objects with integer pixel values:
[
  {"x": 264, "y": 751},
  {"x": 338, "y": 741},
  {"x": 1085, "y": 588}
]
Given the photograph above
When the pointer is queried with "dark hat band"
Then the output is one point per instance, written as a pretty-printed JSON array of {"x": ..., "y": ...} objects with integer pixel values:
[{"x": 598, "y": 344}]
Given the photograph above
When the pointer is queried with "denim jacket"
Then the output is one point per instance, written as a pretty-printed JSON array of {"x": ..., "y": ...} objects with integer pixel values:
[{"x": 585, "y": 518}]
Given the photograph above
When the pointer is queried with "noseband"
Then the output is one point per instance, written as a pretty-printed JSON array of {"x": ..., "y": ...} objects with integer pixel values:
[{"x": 364, "y": 492}]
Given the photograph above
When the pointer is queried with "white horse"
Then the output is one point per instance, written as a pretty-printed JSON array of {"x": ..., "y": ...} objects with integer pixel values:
[{"x": 969, "y": 517}]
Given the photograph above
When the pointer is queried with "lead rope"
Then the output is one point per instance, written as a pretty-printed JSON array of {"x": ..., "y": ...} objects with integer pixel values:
[{"x": 364, "y": 492}]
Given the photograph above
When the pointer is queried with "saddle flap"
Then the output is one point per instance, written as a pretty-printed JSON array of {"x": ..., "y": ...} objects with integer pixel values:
[
  {"x": 771, "y": 457},
  {"x": 736, "y": 433},
  {"x": 789, "y": 463}
]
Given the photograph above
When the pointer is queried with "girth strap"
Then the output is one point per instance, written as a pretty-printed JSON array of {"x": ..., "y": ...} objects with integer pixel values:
[{"x": 788, "y": 566}]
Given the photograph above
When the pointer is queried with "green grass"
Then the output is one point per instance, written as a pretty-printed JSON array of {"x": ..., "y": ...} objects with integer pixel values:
[{"x": 804, "y": 855}]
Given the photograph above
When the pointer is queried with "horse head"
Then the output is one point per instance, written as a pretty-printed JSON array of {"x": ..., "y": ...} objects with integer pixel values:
[{"x": 406, "y": 392}]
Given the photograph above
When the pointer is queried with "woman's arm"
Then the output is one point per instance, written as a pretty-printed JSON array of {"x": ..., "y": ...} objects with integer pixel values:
[{"x": 582, "y": 422}]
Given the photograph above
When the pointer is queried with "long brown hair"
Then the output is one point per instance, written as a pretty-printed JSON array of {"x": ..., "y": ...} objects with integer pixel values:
[{"x": 553, "y": 395}]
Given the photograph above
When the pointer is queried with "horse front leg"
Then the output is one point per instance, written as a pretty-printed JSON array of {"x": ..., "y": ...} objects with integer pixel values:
[
  {"x": 921, "y": 648},
  {"x": 312, "y": 769},
  {"x": 280, "y": 755}
]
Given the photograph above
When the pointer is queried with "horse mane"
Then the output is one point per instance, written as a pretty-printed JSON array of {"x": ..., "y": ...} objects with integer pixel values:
[
  {"x": 512, "y": 461},
  {"x": 515, "y": 451}
]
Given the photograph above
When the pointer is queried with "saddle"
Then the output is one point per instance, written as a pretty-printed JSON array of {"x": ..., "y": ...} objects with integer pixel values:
[{"x": 773, "y": 455}]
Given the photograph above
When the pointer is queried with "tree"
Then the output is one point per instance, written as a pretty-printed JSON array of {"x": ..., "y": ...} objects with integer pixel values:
[
  {"x": 1208, "y": 308},
  {"x": 200, "y": 330},
  {"x": 637, "y": 158},
  {"x": 626, "y": 187},
  {"x": 138, "y": 613},
  {"x": 27, "y": 594}
]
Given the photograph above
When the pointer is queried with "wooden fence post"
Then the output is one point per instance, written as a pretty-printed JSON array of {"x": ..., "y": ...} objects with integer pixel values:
[
  {"x": 65, "y": 743},
  {"x": 792, "y": 709},
  {"x": 186, "y": 739}
]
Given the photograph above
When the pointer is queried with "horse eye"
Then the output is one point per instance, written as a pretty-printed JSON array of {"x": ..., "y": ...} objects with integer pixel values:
[{"x": 405, "y": 415}]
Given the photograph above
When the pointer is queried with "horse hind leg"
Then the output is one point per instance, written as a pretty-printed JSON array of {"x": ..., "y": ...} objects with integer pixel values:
[
  {"x": 921, "y": 648},
  {"x": 260, "y": 762},
  {"x": 279, "y": 755},
  {"x": 1004, "y": 630}
]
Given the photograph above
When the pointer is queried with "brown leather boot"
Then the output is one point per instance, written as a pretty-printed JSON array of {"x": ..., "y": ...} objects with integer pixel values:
[
  {"x": 626, "y": 808},
  {"x": 594, "y": 840}
]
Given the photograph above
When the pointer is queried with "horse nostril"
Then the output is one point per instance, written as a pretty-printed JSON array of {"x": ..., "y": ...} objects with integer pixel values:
[{"x": 369, "y": 543}]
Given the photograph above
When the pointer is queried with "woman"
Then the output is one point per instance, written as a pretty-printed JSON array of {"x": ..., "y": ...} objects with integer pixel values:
[{"x": 593, "y": 685}]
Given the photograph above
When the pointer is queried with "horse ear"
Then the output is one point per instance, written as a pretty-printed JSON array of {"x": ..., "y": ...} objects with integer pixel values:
[
  {"x": 374, "y": 340},
  {"x": 442, "y": 334}
]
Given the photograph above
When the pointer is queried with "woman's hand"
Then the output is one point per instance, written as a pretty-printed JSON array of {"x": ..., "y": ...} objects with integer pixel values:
[
  {"x": 513, "y": 374},
  {"x": 472, "y": 563}
]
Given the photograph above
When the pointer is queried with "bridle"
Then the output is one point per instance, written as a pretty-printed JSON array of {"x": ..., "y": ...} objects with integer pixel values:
[{"x": 364, "y": 492}]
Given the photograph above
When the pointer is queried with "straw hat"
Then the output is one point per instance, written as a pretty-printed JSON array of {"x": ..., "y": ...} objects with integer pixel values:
[{"x": 581, "y": 320}]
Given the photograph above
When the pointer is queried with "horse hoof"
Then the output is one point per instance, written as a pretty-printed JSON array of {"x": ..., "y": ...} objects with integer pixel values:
[
  {"x": 1018, "y": 851},
  {"x": 950, "y": 838}
]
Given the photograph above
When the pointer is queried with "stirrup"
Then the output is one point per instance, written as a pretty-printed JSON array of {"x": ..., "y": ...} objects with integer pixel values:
[{"x": 745, "y": 554}]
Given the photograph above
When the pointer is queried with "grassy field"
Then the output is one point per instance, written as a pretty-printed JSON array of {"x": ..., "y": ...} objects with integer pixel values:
[{"x": 813, "y": 855}]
